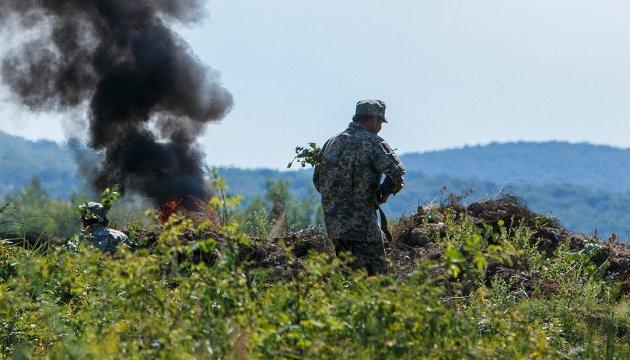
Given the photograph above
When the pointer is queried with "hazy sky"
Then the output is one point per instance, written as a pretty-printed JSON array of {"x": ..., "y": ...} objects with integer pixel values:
[{"x": 451, "y": 73}]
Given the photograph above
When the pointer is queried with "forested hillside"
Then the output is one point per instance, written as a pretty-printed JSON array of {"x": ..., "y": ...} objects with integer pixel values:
[
  {"x": 21, "y": 160},
  {"x": 592, "y": 166},
  {"x": 586, "y": 187}
]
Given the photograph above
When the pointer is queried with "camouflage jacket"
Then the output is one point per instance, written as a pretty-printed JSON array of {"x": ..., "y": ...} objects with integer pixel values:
[
  {"x": 348, "y": 178},
  {"x": 101, "y": 237}
]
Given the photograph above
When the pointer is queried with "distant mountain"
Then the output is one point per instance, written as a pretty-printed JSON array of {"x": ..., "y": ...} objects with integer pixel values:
[
  {"x": 587, "y": 187},
  {"x": 591, "y": 166},
  {"x": 21, "y": 160}
]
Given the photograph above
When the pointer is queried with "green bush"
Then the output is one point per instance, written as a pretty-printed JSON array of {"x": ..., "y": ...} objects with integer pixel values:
[
  {"x": 31, "y": 213},
  {"x": 158, "y": 303},
  {"x": 153, "y": 304}
]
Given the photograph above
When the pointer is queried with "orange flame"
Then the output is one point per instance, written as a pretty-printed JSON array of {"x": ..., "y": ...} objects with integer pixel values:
[{"x": 169, "y": 209}]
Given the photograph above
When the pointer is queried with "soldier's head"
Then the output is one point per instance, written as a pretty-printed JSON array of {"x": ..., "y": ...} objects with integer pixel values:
[
  {"x": 371, "y": 115},
  {"x": 93, "y": 213}
]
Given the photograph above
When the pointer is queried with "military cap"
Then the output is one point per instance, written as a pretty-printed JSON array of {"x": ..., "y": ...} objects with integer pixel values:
[
  {"x": 371, "y": 107},
  {"x": 93, "y": 211}
]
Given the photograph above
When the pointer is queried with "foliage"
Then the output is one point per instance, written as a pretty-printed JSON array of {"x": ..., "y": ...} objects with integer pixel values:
[
  {"x": 158, "y": 304},
  {"x": 310, "y": 155},
  {"x": 279, "y": 207},
  {"x": 162, "y": 303},
  {"x": 31, "y": 213},
  {"x": 254, "y": 219},
  {"x": 223, "y": 202},
  {"x": 109, "y": 196}
]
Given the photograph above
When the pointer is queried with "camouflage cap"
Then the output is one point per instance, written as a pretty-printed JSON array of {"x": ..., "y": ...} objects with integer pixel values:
[
  {"x": 371, "y": 107},
  {"x": 93, "y": 211}
]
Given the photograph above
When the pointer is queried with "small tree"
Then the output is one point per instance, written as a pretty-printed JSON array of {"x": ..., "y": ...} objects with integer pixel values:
[
  {"x": 223, "y": 202},
  {"x": 279, "y": 197},
  {"x": 254, "y": 219}
]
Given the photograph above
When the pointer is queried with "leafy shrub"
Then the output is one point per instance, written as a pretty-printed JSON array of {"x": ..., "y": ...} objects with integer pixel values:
[{"x": 162, "y": 303}]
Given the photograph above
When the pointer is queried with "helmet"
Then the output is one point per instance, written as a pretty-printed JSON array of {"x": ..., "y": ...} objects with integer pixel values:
[{"x": 93, "y": 211}]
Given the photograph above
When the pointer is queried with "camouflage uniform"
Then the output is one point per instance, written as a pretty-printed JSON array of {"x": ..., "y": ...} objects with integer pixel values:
[
  {"x": 348, "y": 178},
  {"x": 103, "y": 238}
]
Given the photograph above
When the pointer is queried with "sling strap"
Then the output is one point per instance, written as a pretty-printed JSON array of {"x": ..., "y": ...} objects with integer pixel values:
[{"x": 384, "y": 227}]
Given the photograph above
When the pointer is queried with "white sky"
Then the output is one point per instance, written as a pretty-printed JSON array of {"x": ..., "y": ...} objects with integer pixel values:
[{"x": 451, "y": 72}]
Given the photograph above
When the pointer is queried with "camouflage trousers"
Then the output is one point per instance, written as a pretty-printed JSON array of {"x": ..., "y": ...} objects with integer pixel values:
[{"x": 368, "y": 255}]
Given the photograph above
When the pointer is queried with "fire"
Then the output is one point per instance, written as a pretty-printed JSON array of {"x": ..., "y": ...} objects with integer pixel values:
[{"x": 169, "y": 209}]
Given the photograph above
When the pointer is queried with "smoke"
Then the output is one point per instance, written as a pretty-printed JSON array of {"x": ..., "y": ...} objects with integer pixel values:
[{"x": 148, "y": 97}]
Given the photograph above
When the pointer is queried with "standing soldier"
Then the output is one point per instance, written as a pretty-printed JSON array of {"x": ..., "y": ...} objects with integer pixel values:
[{"x": 349, "y": 179}]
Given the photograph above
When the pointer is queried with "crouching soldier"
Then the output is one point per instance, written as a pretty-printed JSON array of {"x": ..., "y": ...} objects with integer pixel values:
[
  {"x": 94, "y": 229},
  {"x": 349, "y": 179}
]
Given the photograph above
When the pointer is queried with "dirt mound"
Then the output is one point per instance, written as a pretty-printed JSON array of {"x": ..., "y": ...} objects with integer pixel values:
[
  {"x": 282, "y": 254},
  {"x": 415, "y": 239},
  {"x": 509, "y": 210}
]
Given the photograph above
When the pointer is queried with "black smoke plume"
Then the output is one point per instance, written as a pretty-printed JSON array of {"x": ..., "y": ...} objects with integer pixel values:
[{"x": 149, "y": 97}]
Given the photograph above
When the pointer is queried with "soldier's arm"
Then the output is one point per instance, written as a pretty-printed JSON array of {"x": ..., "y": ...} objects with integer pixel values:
[
  {"x": 316, "y": 177},
  {"x": 317, "y": 170},
  {"x": 387, "y": 162}
]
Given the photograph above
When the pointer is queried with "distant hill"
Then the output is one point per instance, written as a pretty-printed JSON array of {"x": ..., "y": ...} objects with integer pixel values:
[
  {"x": 587, "y": 187},
  {"x": 21, "y": 160},
  {"x": 591, "y": 166}
]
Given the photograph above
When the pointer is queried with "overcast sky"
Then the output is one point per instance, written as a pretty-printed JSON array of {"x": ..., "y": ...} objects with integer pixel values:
[{"x": 451, "y": 72}]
